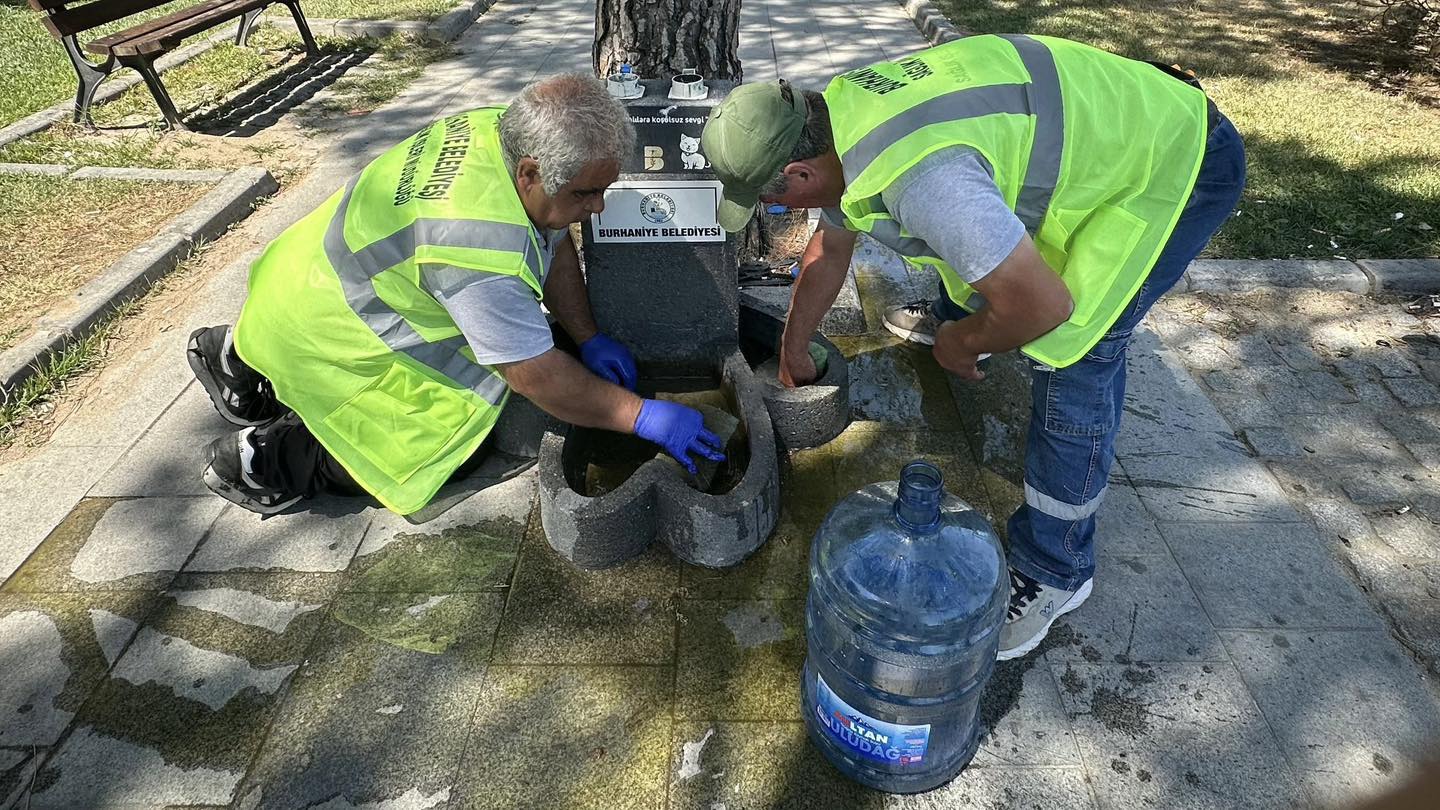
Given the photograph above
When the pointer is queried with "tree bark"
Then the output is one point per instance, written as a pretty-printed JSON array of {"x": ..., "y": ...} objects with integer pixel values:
[{"x": 659, "y": 38}]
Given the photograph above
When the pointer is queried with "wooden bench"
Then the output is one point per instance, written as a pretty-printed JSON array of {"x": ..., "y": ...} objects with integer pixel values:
[{"x": 139, "y": 46}]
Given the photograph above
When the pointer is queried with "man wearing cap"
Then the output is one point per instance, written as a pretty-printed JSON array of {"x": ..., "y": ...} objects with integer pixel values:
[{"x": 1056, "y": 189}]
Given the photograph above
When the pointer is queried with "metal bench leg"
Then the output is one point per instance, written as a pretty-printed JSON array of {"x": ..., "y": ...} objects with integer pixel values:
[
  {"x": 247, "y": 24},
  {"x": 146, "y": 69},
  {"x": 310, "y": 46},
  {"x": 90, "y": 76}
]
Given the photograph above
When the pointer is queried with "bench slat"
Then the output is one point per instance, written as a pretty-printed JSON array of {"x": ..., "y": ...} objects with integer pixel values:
[
  {"x": 71, "y": 17},
  {"x": 164, "y": 32}
]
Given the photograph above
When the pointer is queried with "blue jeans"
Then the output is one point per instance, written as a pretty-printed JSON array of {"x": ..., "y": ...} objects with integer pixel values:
[{"x": 1075, "y": 411}]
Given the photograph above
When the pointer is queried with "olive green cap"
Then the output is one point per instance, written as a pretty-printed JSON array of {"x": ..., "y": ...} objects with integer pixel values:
[{"x": 748, "y": 139}]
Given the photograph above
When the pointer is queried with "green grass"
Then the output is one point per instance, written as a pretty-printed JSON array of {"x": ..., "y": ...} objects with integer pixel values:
[
  {"x": 377, "y": 9},
  {"x": 1333, "y": 159}
]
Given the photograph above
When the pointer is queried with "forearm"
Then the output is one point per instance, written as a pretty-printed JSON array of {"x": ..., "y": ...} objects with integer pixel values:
[
  {"x": 563, "y": 388},
  {"x": 989, "y": 332},
  {"x": 822, "y": 273},
  {"x": 567, "y": 298}
]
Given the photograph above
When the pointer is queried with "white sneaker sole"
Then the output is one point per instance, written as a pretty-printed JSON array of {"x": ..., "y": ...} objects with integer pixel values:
[
  {"x": 910, "y": 334},
  {"x": 1076, "y": 600}
]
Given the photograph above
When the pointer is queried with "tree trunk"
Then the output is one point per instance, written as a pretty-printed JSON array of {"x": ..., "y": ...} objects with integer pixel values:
[{"x": 659, "y": 38}]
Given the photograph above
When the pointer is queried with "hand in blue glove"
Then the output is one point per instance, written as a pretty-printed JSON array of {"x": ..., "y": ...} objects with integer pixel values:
[
  {"x": 608, "y": 359},
  {"x": 678, "y": 429}
]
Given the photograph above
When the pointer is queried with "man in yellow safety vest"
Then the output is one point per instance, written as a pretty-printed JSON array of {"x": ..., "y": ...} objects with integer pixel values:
[
  {"x": 383, "y": 332},
  {"x": 1056, "y": 189}
]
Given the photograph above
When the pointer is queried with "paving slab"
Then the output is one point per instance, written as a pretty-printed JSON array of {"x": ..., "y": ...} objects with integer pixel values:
[
  {"x": 573, "y": 737},
  {"x": 169, "y": 457},
  {"x": 323, "y": 537},
  {"x": 1253, "y": 575},
  {"x": 1123, "y": 525},
  {"x": 1175, "y": 735},
  {"x": 36, "y": 495},
  {"x": 994, "y": 787},
  {"x": 107, "y": 544},
  {"x": 1022, "y": 721},
  {"x": 378, "y": 715},
  {"x": 757, "y": 766},
  {"x": 740, "y": 660},
  {"x": 1348, "y": 708},
  {"x": 17, "y": 772},
  {"x": 866, "y": 452},
  {"x": 54, "y": 650},
  {"x": 500, "y": 510},
  {"x": 94, "y": 769},
  {"x": 1142, "y": 609},
  {"x": 560, "y": 614}
]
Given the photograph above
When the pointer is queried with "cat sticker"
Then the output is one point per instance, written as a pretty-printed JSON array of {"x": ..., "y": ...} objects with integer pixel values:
[{"x": 690, "y": 153}]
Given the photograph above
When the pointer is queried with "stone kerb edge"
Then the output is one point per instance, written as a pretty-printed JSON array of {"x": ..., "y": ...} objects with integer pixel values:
[
  {"x": 133, "y": 274},
  {"x": 445, "y": 28},
  {"x": 934, "y": 26}
]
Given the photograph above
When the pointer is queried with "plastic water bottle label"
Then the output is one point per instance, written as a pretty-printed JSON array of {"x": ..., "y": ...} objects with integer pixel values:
[{"x": 873, "y": 739}]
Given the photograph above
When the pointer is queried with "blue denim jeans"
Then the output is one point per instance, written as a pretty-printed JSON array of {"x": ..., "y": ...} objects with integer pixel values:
[{"x": 1075, "y": 411}]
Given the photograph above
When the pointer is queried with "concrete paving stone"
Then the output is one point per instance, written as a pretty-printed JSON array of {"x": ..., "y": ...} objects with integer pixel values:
[
  {"x": 1416, "y": 276},
  {"x": 1346, "y": 434},
  {"x": 1376, "y": 484},
  {"x": 757, "y": 766},
  {"x": 740, "y": 660},
  {"x": 379, "y": 711},
  {"x": 1142, "y": 609},
  {"x": 1306, "y": 479},
  {"x": 1175, "y": 735},
  {"x": 992, "y": 787},
  {"x": 107, "y": 544},
  {"x": 1178, "y": 489},
  {"x": 572, "y": 737},
  {"x": 1323, "y": 386},
  {"x": 1413, "y": 392},
  {"x": 1348, "y": 709},
  {"x": 1409, "y": 534},
  {"x": 62, "y": 474},
  {"x": 94, "y": 769},
  {"x": 1376, "y": 396},
  {"x": 1252, "y": 575},
  {"x": 1390, "y": 362},
  {"x": 322, "y": 537},
  {"x": 865, "y": 453},
  {"x": 1244, "y": 275},
  {"x": 135, "y": 392},
  {"x": 1271, "y": 442},
  {"x": 1297, "y": 356},
  {"x": 1248, "y": 410},
  {"x": 1427, "y": 454},
  {"x": 560, "y": 614},
  {"x": 17, "y": 771},
  {"x": 1022, "y": 721},
  {"x": 1338, "y": 519},
  {"x": 501, "y": 510},
  {"x": 781, "y": 568},
  {"x": 1123, "y": 524},
  {"x": 54, "y": 650},
  {"x": 169, "y": 458}
]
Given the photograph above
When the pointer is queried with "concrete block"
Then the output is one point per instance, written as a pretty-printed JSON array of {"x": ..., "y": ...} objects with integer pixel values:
[
  {"x": 56, "y": 649},
  {"x": 1244, "y": 275},
  {"x": 808, "y": 416},
  {"x": 1129, "y": 722},
  {"x": 1271, "y": 442},
  {"x": 1297, "y": 356},
  {"x": 1413, "y": 276},
  {"x": 1414, "y": 392},
  {"x": 148, "y": 538},
  {"x": 1250, "y": 575},
  {"x": 1338, "y": 519},
  {"x": 560, "y": 614},
  {"x": 358, "y": 728},
  {"x": 587, "y": 738},
  {"x": 322, "y": 538},
  {"x": 1348, "y": 709},
  {"x": 1142, "y": 609},
  {"x": 740, "y": 660},
  {"x": 62, "y": 474},
  {"x": 1322, "y": 386}
]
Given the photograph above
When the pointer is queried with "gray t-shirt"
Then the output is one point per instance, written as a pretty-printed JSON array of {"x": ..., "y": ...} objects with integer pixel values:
[
  {"x": 950, "y": 200},
  {"x": 499, "y": 315}
]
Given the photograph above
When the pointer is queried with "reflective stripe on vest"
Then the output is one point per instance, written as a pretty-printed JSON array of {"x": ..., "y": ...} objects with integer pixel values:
[
  {"x": 356, "y": 269},
  {"x": 1040, "y": 97}
]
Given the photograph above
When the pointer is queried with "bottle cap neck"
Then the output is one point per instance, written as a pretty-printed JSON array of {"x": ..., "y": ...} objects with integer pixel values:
[{"x": 917, "y": 505}]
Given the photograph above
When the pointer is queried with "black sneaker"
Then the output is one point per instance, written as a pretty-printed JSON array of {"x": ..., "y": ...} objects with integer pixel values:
[
  {"x": 230, "y": 475},
  {"x": 242, "y": 396}
]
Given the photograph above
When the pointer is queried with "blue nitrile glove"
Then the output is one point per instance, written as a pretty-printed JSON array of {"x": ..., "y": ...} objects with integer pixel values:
[
  {"x": 678, "y": 429},
  {"x": 608, "y": 359}
]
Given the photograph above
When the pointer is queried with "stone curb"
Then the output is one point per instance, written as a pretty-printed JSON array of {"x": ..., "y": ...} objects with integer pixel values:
[
  {"x": 934, "y": 26},
  {"x": 135, "y": 272},
  {"x": 111, "y": 88},
  {"x": 445, "y": 28},
  {"x": 1363, "y": 277}
]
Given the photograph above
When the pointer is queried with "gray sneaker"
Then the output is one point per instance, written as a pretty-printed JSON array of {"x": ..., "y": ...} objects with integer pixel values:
[
  {"x": 1033, "y": 608},
  {"x": 913, "y": 322}
]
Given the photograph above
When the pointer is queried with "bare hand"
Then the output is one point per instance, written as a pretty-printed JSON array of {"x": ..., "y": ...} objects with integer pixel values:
[
  {"x": 954, "y": 359},
  {"x": 797, "y": 369}
]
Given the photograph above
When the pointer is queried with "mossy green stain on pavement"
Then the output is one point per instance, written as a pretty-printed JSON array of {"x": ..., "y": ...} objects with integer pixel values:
[
  {"x": 424, "y": 622},
  {"x": 740, "y": 660},
  {"x": 458, "y": 560}
]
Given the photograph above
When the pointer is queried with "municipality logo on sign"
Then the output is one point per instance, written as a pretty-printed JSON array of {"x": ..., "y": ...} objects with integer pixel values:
[{"x": 657, "y": 208}]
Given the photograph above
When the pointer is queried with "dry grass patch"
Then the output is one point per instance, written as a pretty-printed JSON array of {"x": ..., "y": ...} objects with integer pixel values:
[{"x": 56, "y": 234}]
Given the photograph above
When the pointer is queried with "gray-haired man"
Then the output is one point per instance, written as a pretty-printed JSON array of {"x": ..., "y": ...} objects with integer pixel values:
[{"x": 383, "y": 332}]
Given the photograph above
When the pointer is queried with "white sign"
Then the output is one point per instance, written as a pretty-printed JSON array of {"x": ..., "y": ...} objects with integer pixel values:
[{"x": 659, "y": 211}]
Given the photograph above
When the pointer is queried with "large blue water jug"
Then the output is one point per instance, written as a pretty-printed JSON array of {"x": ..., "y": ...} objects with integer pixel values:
[{"x": 908, "y": 589}]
